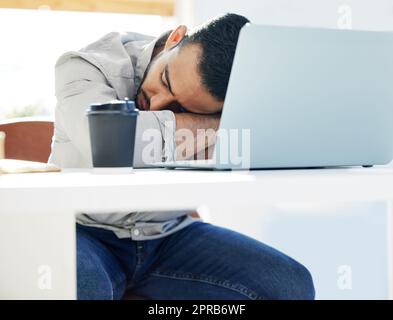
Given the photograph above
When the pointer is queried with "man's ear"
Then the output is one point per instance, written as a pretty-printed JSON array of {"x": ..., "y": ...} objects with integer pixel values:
[{"x": 176, "y": 36}]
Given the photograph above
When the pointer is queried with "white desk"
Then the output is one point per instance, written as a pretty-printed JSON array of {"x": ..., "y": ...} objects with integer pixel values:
[{"x": 37, "y": 211}]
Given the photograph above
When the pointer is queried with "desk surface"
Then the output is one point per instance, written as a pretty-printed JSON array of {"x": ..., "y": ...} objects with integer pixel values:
[
  {"x": 34, "y": 206},
  {"x": 125, "y": 176},
  {"x": 117, "y": 189}
]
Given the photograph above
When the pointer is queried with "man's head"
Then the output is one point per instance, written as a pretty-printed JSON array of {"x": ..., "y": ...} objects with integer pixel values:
[{"x": 191, "y": 72}]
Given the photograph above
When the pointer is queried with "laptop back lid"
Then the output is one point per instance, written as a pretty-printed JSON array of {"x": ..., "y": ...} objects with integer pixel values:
[{"x": 307, "y": 97}]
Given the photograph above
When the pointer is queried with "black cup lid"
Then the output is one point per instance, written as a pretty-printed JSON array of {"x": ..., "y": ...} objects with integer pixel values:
[{"x": 113, "y": 106}]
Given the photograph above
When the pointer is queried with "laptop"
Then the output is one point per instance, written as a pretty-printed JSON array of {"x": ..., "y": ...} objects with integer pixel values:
[{"x": 305, "y": 98}]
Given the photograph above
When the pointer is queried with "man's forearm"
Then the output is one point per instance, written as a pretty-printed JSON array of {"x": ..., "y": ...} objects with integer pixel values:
[{"x": 194, "y": 133}]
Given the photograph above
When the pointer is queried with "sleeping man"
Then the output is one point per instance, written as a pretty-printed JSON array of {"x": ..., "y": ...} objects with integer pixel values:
[{"x": 178, "y": 81}]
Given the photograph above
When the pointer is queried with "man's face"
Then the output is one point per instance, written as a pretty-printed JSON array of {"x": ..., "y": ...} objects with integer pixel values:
[{"x": 172, "y": 81}]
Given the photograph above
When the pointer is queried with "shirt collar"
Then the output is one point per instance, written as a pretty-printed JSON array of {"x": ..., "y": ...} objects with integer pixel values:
[{"x": 143, "y": 61}]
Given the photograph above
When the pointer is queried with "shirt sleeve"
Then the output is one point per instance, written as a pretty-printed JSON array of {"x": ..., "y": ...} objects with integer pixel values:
[
  {"x": 79, "y": 84},
  {"x": 155, "y": 137}
]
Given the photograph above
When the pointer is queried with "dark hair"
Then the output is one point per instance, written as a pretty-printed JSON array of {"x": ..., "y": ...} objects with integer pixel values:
[{"x": 218, "y": 39}]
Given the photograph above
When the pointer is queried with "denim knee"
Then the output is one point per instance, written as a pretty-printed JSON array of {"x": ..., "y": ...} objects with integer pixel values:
[
  {"x": 93, "y": 283},
  {"x": 99, "y": 275},
  {"x": 281, "y": 278},
  {"x": 299, "y": 284}
]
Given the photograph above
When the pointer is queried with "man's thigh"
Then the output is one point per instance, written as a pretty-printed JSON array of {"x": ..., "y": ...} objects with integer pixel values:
[
  {"x": 99, "y": 274},
  {"x": 204, "y": 261}
]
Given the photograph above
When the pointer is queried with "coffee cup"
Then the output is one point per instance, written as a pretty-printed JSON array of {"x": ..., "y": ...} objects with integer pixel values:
[{"x": 112, "y": 128}]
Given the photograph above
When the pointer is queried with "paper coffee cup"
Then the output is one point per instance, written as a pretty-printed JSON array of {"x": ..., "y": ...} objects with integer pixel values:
[{"x": 112, "y": 128}]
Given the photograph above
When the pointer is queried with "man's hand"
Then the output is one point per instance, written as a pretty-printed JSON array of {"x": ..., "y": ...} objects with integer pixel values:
[{"x": 195, "y": 133}]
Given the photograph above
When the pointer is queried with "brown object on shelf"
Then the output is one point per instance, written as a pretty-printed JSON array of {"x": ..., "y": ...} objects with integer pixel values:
[
  {"x": 2, "y": 146},
  {"x": 27, "y": 138}
]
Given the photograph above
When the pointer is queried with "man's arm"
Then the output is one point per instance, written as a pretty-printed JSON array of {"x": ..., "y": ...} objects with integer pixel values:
[
  {"x": 78, "y": 84},
  {"x": 195, "y": 134}
]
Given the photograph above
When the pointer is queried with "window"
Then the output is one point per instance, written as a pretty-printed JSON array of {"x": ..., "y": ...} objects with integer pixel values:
[
  {"x": 32, "y": 40},
  {"x": 156, "y": 7}
]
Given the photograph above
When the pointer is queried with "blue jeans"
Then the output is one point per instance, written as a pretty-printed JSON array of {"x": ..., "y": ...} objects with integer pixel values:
[{"x": 201, "y": 261}]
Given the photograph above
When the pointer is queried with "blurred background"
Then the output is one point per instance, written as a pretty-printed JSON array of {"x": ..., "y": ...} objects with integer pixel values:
[{"x": 34, "y": 33}]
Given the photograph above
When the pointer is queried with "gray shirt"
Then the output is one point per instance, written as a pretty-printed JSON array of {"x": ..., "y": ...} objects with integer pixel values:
[{"x": 112, "y": 68}]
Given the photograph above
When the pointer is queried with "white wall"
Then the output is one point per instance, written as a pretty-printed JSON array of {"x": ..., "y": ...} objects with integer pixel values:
[{"x": 365, "y": 14}]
